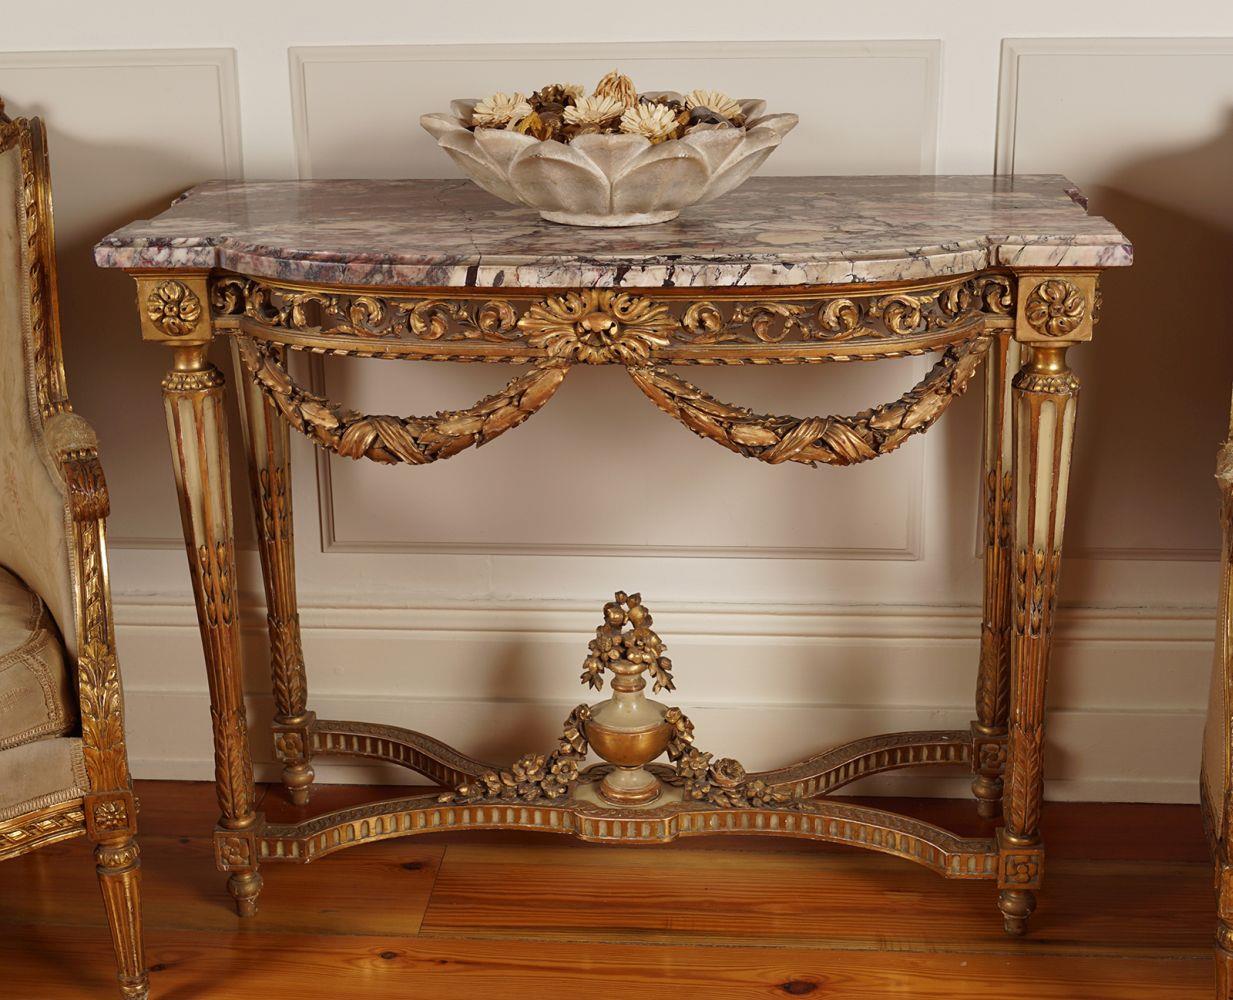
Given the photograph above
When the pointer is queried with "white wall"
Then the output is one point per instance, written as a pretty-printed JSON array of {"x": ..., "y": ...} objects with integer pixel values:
[{"x": 801, "y": 606}]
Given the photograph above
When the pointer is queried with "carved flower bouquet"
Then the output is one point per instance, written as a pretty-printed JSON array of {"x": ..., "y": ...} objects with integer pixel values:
[{"x": 613, "y": 157}]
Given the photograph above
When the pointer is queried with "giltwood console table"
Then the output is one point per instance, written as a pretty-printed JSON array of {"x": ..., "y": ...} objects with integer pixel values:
[{"x": 782, "y": 271}]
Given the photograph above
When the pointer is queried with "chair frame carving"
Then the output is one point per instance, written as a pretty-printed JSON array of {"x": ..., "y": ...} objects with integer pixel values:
[
  {"x": 107, "y": 813},
  {"x": 1216, "y": 778}
]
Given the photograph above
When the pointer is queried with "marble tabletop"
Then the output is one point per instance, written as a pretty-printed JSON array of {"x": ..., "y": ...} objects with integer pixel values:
[{"x": 770, "y": 231}]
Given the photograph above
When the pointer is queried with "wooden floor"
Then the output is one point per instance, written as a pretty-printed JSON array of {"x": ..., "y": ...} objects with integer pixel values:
[{"x": 1127, "y": 912}]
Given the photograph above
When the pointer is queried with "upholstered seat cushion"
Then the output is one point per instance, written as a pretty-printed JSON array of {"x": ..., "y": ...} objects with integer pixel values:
[
  {"x": 36, "y": 698},
  {"x": 40, "y": 774}
]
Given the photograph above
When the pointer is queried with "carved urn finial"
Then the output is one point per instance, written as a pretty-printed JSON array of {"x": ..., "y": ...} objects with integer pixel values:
[{"x": 628, "y": 730}]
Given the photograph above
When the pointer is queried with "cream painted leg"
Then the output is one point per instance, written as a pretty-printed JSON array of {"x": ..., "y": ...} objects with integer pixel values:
[
  {"x": 266, "y": 441},
  {"x": 196, "y": 422},
  {"x": 1045, "y": 398},
  {"x": 993, "y": 681}
]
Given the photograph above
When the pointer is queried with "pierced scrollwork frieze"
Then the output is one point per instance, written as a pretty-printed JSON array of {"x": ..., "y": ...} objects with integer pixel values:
[{"x": 609, "y": 326}]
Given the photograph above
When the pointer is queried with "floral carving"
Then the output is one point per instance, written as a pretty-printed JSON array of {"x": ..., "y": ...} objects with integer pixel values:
[
  {"x": 173, "y": 308},
  {"x": 1019, "y": 866},
  {"x": 111, "y": 814},
  {"x": 532, "y": 777},
  {"x": 723, "y": 782},
  {"x": 288, "y": 747},
  {"x": 1056, "y": 307},
  {"x": 234, "y": 852},
  {"x": 599, "y": 326},
  {"x": 641, "y": 646}
]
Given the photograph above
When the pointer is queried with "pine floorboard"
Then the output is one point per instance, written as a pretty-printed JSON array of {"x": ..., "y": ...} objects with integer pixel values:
[{"x": 1127, "y": 912}]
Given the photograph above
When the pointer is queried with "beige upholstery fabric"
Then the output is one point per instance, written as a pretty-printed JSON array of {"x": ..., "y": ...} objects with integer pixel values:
[
  {"x": 36, "y": 698},
  {"x": 34, "y": 521},
  {"x": 40, "y": 774}
]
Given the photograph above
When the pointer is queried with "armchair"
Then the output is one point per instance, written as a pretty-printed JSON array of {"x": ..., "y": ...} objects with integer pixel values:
[{"x": 63, "y": 763}]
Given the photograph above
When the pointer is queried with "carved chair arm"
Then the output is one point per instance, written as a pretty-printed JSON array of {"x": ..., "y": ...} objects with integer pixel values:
[
  {"x": 73, "y": 443},
  {"x": 831, "y": 440},
  {"x": 388, "y": 439}
]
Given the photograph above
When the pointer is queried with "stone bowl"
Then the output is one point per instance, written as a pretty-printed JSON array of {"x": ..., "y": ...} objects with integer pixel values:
[{"x": 609, "y": 180}]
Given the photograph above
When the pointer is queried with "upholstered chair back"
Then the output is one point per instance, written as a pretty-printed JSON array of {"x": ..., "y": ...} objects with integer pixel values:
[{"x": 35, "y": 427}]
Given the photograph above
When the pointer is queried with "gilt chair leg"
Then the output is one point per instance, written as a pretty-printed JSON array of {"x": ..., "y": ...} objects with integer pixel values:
[{"x": 119, "y": 878}]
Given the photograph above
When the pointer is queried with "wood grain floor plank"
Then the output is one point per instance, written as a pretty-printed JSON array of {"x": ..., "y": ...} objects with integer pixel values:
[
  {"x": 490, "y": 916},
  {"x": 44, "y": 963},
  {"x": 379, "y": 889},
  {"x": 847, "y": 900}
]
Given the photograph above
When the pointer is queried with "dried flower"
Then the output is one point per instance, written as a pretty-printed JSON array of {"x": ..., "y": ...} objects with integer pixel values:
[
  {"x": 619, "y": 86},
  {"x": 715, "y": 100},
  {"x": 654, "y": 121},
  {"x": 556, "y": 96},
  {"x": 500, "y": 110},
  {"x": 595, "y": 110}
]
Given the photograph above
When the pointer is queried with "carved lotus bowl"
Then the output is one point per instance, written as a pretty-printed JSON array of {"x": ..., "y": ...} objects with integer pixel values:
[{"x": 609, "y": 180}]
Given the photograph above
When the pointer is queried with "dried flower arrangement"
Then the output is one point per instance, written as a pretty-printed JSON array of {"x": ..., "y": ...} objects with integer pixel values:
[{"x": 563, "y": 111}]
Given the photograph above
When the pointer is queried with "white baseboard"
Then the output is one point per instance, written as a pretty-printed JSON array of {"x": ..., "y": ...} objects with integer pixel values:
[{"x": 766, "y": 685}]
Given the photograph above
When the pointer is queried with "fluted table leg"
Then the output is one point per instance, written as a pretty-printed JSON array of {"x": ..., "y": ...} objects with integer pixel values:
[
  {"x": 993, "y": 681},
  {"x": 266, "y": 440},
  {"x": 197, "y": 425},
  {"x": 1046, "y": 394},
  {"x": 1053, "y": 313}
]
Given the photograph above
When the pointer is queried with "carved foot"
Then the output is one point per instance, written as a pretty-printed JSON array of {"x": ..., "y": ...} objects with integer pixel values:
[
  {"x": 245, "y": 887},
  {"x": 1224, "y": 961},
  {"x": 1016, "y": 906},
  {"x": 135, "y": 991},
  {"x": 298, "y": 780},
  {"x": 988, "y": 792}
]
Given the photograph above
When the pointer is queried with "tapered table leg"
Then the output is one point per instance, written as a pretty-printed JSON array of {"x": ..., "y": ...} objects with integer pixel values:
[
  {"x": 266, "y": 440},
  {"x": 993, "y": 681},
  {"x": 1045, "y": 399},
  {"x": 196, "y": 422}
]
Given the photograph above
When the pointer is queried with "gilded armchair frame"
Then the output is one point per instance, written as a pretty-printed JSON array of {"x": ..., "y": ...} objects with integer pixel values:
[
  {"x": 107, "y": 812},
  {"x": 1216, "y": 777}
]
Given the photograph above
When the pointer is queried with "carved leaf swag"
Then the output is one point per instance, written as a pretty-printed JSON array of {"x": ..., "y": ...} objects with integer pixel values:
[
  {"x": 532, "y": 777},
  {"x": 831, "y": 440},
  {"x": 641, "y": 646},
  {"x": 389, "y": 439}
]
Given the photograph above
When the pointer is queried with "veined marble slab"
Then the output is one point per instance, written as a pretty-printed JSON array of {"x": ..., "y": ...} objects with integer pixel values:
[{"x": 770, "y": 231}]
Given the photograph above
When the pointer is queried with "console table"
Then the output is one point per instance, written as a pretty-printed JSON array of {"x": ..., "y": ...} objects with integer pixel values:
[{"x": 781, "y": 271}]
